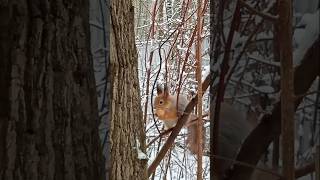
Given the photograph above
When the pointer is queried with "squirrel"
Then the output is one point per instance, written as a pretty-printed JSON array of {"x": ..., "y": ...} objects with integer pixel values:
[
  {"x": 233, "y": 129},
  {"x": 168, "y": 112}
]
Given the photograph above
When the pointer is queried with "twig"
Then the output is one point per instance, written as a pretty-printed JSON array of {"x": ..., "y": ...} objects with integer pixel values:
[
  {"x": 159, "y": 136},
  {"x": 259, "y": 13},
  {"x": 305, "y": 94},
  {"x": 270, "y": 63}
]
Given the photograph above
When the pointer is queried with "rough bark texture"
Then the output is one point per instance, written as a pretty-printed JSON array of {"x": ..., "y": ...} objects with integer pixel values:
[
  {"x": 48, "y": 108},
  {"x": 127, "y": 126}
]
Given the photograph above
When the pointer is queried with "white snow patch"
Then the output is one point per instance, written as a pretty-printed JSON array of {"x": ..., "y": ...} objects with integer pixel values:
[
  {"x": 266, "y": 89},
  {"x": 305, "y": 37}
]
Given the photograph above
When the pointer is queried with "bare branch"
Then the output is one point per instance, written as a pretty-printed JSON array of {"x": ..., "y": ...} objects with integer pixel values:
[{"x": 259, "y": 13}]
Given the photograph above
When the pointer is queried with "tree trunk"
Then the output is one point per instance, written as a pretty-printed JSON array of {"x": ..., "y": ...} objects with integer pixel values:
[
  {"x": 127, "y": 125},
  {"x": 287, "y": 91},
  {"x": 48, "y": 104}
]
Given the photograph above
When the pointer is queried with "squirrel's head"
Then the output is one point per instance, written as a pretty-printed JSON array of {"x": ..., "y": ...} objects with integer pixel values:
[{"x": 162, "y": 102}]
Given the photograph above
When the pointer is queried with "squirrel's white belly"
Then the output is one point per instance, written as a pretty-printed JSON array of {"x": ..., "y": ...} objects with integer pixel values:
[{"x": 169, "y": 123}]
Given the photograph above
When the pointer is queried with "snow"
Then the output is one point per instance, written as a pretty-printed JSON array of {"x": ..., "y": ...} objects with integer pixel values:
[
  {"x": 181, "y": 48},
  {"x": 141, "y": 155},
  {"x": 266, "y": 89},
  {"x": 304, "y": 38},
  {"x": 238, "y": 41},
  {"x": 302, "y": 7},
  {"x": 205, "y": 72}
]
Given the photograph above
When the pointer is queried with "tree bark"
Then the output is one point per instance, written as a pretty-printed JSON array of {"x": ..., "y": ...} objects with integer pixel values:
[
  {"x": 48, "y": 104},
  {"x": 127, "y": 125},
  {"x": 287, "y": 92},
  {"x": 199, "y": 132}
]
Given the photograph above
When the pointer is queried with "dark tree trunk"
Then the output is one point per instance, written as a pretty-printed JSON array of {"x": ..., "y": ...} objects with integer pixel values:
[
  {"x": 48, "y": 105},
  {"x": 287, "y": 89}
]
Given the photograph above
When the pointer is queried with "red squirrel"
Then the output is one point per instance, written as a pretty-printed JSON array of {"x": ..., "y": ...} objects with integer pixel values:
[
  {"x": 233, "y": 126},
  {"x": 168, "y": 112}
]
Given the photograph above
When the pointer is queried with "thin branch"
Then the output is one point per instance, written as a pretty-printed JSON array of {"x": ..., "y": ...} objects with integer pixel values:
[
  {"x": 159, "y": 136},
  {"x": 200, "y": 93},
  {"x": 306, "y": 94},
  {"x": 302, "y": 171},
  {"x": 259, "y": 13},
  {"x": 221, "y": 89},
  {"x": 270, "y": 63}
]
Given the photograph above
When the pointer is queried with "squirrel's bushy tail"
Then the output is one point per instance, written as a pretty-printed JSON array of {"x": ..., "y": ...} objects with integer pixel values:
[{"x": 192, "y": 138}]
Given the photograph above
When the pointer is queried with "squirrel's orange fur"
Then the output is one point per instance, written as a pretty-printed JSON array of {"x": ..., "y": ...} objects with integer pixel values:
[{"x": 168, "y": 112}]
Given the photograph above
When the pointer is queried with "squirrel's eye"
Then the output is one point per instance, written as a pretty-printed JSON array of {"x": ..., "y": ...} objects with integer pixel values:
[{"x": 161, "y": 102}]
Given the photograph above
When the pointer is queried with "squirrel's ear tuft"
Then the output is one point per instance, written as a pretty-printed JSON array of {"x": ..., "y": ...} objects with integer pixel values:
[
  {"x": 159, "y": 89},
  {"x": 166, "y": 90}
]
